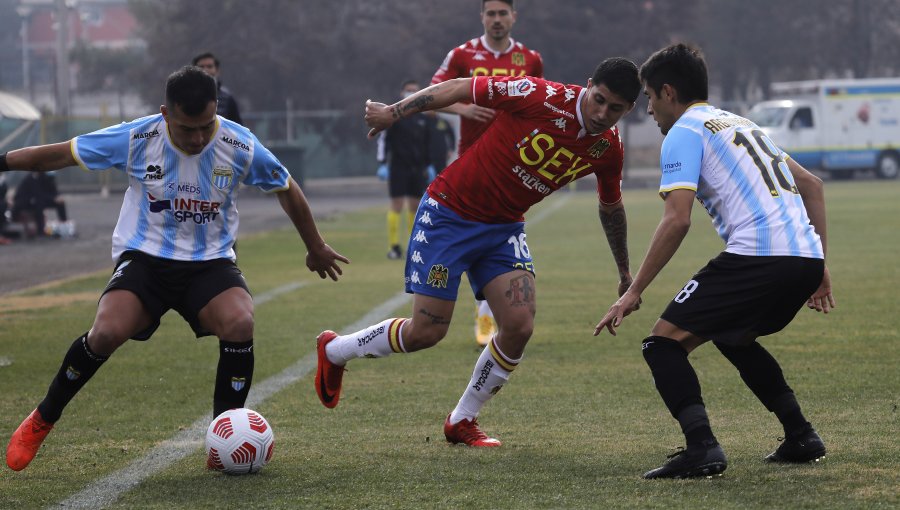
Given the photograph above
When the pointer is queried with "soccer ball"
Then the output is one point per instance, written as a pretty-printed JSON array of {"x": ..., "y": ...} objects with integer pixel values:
[{"x": 239, "y": 441}]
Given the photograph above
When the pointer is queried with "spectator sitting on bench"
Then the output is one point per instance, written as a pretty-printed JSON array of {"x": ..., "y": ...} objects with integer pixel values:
[{"x": 37, "y": 192}]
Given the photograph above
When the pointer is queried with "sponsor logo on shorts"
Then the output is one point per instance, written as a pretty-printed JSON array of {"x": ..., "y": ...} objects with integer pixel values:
[
  {"x": 425, "y": 218},
  {"x": 433, "y": 203},
  {"x": 414, "y": 278},
  {"x": 420, "y": 237},
  {"x": 416, "y": 257},
  {"x": 119, "y": 271},
  {"x": 438, "y": 276}
]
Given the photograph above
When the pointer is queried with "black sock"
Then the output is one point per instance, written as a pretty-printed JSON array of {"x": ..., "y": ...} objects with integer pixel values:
[
  {"x": 679, "y": 387},
  {"x": 234, "y": 375},
  {"x": 78, "y": 366},
  {"x": 762, "y": 374}
]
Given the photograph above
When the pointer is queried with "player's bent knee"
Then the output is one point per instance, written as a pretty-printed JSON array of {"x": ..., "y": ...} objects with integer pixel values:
[
  {"x": 236, "y": 328},
  {"x": 105, "y": 340},
  {"x": 416, "y": 339}
]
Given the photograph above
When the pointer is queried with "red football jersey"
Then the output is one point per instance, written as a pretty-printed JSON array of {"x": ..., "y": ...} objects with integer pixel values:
[
  {"x": 536, "y": 144},
  {"x": 475, "y": 58}
]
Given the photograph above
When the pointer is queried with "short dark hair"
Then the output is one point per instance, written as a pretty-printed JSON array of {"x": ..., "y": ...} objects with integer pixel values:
[
  {"x": 203, "y": 56},
  {"x": 682, "y": 67},
  {"x": 191, "y": 89},
  {"x": 620, "y": 76},
  {"x": 509, "y": 2}
]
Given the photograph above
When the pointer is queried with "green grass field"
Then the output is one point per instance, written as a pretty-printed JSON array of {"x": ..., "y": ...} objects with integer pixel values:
[{"x": 580, "y": 419}]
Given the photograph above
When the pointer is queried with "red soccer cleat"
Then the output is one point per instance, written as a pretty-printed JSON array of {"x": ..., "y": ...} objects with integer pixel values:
[
  {"x": 25, "y": 441},
  {"x": 469, "y": 433},
  {"x": 328, "y": 375}
]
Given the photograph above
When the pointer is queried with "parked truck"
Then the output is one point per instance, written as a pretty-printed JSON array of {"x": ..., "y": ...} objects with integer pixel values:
[{"x": 836, "y": 126}]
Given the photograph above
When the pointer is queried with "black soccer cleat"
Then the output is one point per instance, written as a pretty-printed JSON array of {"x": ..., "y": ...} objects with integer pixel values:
[
  {"x": 806, "y": 447},
  {"x": 692, "y": 463}
]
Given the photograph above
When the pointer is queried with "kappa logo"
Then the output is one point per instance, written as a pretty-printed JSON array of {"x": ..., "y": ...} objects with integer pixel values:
[
  {"x": 154, "y": 173},
  {"x": 425, "y": 218},
  {"x": 438, "y": 276},
  {"x": 420, "y": 237},
  {"x": 415, "y": 278},
  {"x": 416, "y": 257},
  {"x": 433, "y": 203},
  {"x": 520, "y": 88},
  {"x": 551, "y": 91},
  {"x": 569, "y": 95},
  {"x": 599, "y": 148},
  {"x": 478, "y": 56},
  {"x": 560, "y": 123}
]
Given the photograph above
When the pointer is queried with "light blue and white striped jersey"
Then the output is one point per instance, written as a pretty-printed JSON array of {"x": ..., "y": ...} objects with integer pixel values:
[
  {"x": 179, "y": 206},
  {"x": 742, "y": 180}
]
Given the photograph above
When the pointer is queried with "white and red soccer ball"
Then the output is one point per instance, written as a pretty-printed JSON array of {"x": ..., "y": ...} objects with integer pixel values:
[{"x": 239, "y": 441}]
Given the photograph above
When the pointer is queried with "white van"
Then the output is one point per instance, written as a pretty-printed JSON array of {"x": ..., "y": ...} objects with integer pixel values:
[{"x": 837, "y": 126}]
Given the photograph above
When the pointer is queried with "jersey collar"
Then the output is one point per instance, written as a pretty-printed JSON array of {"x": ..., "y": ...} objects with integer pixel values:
[
  {"x": 583, "y": 131},
  {"x": 512, "y": 45}
]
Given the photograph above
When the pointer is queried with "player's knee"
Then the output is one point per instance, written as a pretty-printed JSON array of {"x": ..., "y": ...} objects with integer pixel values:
[
  {"x": 417, "y": 338},
  {"x": 237, "y": 327},
  {"x": 104, "y": 339},
  {"x": 518, "y": 331}
]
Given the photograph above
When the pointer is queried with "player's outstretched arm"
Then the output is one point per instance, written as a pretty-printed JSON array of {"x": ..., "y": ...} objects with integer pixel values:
[
  {"x": 320, "y": 257},
  {"x": 380, "y": 116},
  {"x": 672, "y": 229},
  {"x": 615, "y": 226},
  {"x": 41, "y": 158}
]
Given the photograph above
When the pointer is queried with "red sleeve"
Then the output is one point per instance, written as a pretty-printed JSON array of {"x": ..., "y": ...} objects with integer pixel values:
[
  {"x": 538, "y": 65},
  {"x": 510, "y": 93},
  {"x": 449, "y": 68},
  {"x": 609, "y": 174}
]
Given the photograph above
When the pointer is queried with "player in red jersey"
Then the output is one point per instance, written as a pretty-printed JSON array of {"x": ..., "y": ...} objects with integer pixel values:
[
  {"x": 493, "y": 54},
  {"x": 471, "y": 219}
]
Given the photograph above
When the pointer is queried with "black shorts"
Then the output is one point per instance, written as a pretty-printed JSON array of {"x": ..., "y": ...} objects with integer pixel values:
[
  {"x": 404, "y": 181},
  {"x": 736, "y": 298},
  {"x": 163, "y": 284}
]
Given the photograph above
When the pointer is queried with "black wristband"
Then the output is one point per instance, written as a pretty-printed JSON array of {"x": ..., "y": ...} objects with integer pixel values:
[{"x": 3, "y": 166}]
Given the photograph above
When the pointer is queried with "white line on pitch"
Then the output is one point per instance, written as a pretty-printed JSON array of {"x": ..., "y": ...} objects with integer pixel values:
[{"x": 106, "y": 491}]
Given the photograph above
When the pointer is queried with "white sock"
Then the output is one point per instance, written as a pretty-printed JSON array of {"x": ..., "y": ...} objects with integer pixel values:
[
  {"x": 378, "y": 341},
  {"x": 491, "y": 372},
  {"x": 484, "y": 308}
]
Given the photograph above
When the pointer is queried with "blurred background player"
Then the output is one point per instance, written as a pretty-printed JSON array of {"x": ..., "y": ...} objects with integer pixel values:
[
  {"x": 472, "y": 220},
  {"x": 404, "y": 148},
  {"x": 227, "y": 106},
  {"x": 770, "y": 212},
  {"x": 495, "y": 53}
]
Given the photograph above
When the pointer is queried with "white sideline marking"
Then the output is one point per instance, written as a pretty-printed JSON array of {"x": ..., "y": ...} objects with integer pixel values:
[{"x": 106, "y": 491}]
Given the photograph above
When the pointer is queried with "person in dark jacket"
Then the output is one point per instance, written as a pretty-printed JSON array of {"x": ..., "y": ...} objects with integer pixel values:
[{"x": 227, "y": 106}]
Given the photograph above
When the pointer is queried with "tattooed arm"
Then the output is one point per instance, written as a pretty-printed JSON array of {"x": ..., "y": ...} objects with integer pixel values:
[
  {"x": 380, "y": 116},
  {"x": 612, "y": 218}
]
